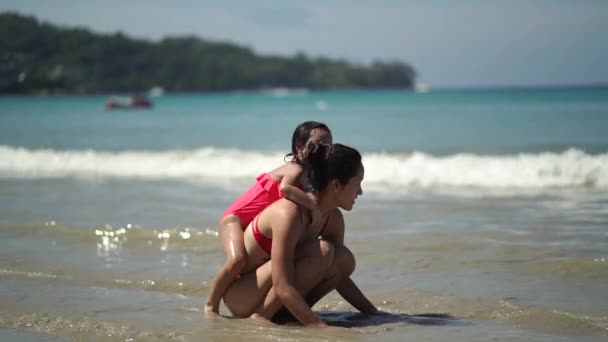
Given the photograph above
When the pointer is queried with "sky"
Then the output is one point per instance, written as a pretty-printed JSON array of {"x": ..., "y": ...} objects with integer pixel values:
[{"x": 464, "y": 43}]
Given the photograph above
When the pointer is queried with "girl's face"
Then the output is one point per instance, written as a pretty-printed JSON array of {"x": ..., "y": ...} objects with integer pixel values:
[
  {"x": 320, "y": 135},
  {"x": 347, "y": 193}
]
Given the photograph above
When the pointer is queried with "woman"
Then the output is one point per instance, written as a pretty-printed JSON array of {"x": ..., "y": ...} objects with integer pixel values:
[
  {"x": 283, "y": 181},
  {"x": 287, "y": 264}
]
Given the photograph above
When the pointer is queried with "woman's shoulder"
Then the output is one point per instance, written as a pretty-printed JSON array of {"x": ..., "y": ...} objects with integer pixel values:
[
  {"x": 335, "y": 220},
  {"x": 336, "y": 217},
  {"x": 280, "y": 214},
  {"x": 337, "y": 213},
  {"x": 282, "y": 208}
]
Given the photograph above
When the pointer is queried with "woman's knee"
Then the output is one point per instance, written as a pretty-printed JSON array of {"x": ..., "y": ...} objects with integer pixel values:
[
  {"x": 344, "y": 259},
  {"x": 237, "y": 310},
  {"x": 327, "y": 252}
]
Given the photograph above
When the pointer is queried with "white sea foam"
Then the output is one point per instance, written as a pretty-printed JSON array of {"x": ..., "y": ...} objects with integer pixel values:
[
  {"x": 385, "y": 172},
  {"x": 203, "y": 163},
  {"x": 571, "y": 168}
]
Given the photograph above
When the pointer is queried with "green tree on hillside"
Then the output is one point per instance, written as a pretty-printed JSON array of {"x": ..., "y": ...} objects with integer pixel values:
[{"x": 41, "y": 57}]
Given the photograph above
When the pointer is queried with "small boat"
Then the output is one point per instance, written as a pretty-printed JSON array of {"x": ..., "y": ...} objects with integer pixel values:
[{"x": 132, "y": 102}]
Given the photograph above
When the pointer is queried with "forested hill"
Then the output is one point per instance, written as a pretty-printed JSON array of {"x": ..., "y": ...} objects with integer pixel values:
[{"x": 42, "y": 57}]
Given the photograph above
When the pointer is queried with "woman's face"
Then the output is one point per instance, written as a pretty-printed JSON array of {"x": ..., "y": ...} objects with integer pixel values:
[{"x": 351, "y": 190}]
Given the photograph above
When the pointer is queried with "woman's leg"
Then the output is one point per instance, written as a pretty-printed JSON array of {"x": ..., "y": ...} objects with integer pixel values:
[
  {"x": 341, "y": 268},
  {"x": 231, "y": 237},
  {"x": 312, "y": 263},
  {"x": 253, "y": 290}
]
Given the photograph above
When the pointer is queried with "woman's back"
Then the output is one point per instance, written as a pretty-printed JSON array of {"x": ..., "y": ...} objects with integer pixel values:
[{"x": 282, "y": 214}]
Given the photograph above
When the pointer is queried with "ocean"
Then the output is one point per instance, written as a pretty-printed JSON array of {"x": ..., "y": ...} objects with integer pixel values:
[{"x": 484, "y": 213}]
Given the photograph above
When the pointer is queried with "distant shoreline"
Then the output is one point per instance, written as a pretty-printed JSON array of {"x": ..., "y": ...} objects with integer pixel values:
[
  {"x": 527, "y": 87},
  {"x": 560, "y": 87}
]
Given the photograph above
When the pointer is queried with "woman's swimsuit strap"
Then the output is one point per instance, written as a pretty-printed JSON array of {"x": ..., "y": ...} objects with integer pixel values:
[{"x": 264, "y": 241}]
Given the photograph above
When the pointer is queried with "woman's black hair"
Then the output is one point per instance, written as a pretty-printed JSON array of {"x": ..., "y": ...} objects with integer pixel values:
[
  {"x": 328, "y": 162},
  {"x": 300, "y": 137}
]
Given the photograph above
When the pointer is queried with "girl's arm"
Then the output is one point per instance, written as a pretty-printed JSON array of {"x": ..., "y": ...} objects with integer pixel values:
[{"x": 287, "y": 187}]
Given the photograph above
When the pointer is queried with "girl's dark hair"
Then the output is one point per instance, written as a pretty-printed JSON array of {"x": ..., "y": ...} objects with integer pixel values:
[
  {"x": 300, "y": 136},
  {"x": 328, "y": 162}
]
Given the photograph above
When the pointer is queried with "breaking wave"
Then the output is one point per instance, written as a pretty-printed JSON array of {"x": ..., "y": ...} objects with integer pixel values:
[{"x": 384, "y": 171}]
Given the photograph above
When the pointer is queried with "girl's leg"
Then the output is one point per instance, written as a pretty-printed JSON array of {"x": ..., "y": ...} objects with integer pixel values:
[
  {"x": 252, "y": 291},
  {"x": 231, "y": 237}
]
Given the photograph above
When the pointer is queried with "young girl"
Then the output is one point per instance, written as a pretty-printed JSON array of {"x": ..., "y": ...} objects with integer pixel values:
[{"x": 285, "y": 181}]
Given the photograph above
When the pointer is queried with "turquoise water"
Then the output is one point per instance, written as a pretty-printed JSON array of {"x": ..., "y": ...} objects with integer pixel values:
[
  {"x": 485, "y": 208},
  {"x": 489, "y": 121}
]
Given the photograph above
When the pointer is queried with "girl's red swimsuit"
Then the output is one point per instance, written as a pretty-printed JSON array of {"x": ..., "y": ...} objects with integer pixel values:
[{"x": 263, "y": 193}]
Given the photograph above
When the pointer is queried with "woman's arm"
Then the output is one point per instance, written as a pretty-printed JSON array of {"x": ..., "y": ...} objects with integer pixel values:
[
  {"x": 286, "y": 232},
  {"x": 334, "y": 233},
  {"x": 351, "y": 293}
]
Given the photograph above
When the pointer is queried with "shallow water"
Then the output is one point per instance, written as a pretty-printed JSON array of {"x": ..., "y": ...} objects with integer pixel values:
[
  {"x": 107, "y": 231},
  {"x": 510, "y": 272}
]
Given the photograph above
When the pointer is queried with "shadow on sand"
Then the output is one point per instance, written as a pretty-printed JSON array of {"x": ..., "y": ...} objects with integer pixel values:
[{"x": 357, "y": 320}]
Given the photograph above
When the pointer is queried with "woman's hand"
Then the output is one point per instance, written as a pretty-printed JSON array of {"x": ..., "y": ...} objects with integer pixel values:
[
  {"x": 320, "y": 324},
  {"x": 210, "y": 311}
]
